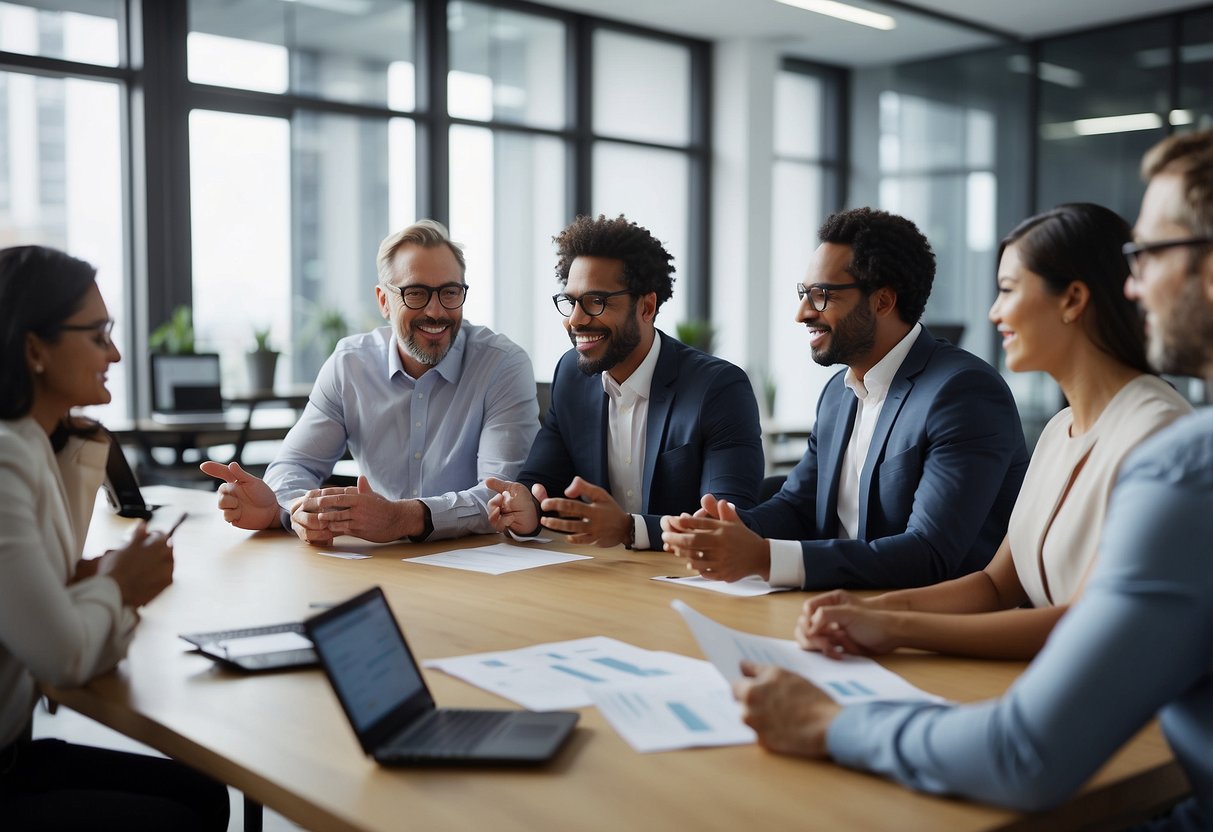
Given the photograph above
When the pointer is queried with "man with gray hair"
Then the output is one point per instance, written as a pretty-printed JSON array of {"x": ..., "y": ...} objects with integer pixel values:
[{"x": 429, "y": 408}]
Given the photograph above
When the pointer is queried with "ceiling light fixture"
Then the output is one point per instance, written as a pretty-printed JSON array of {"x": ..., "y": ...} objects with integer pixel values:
[
  {"x": 1127, "y": 123},
  {"x": 842, "y": 11}
]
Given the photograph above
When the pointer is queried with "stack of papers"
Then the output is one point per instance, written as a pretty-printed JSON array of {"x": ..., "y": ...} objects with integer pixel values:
[
  {"x": 660, "y": 701},
  {"x": 656, "y": 700}
]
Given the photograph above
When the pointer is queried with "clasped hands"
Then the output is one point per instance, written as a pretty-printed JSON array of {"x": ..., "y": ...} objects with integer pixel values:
[
  {"x": 715, "y": 543},
  {"x": 587, "y": 513},
  {"x": 319, "y": 515}
]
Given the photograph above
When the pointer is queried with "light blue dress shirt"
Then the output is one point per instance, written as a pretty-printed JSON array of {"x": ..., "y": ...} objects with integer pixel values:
[
  {"x": 1138, "y": 643},
  {"x": 436, "y": 438}
]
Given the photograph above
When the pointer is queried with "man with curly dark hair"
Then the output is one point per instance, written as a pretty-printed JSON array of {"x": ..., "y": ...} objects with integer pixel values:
[
  {"x": 640, "y": 425},
  {"x": 917, "y": 454}
]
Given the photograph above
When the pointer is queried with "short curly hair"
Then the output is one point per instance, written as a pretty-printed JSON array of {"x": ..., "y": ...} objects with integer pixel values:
[
  {"x": 886, "y": 250},
  {"x": 647, "y": 266}
]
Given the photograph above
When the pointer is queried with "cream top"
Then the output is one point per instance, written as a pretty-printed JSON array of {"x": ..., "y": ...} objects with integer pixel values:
[{"x": 1054, "y": 534}]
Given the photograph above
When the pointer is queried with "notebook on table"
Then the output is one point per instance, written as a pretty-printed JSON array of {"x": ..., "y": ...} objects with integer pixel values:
[
  {"x": 186, "y": 389},
  {"x": 389, "y": 706},
  {"x": 256, "y": 649}
]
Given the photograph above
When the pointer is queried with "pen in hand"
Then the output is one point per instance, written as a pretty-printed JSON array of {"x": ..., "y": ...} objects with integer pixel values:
[{"x": 180, "y": 520}]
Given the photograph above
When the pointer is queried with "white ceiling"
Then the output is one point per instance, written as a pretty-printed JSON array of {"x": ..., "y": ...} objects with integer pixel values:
[{"x": 825, "y": 39}]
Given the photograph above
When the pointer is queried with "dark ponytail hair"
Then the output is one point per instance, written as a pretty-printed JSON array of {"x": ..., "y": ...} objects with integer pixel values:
[
  {"x": 1082, "y": 241},
  {"x": 40, "y": 288}
]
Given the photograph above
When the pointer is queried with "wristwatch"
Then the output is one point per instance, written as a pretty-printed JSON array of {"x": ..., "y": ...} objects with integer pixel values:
[
  {"x": 630, "y": 540},
  {"x": 427, "y": 526}
]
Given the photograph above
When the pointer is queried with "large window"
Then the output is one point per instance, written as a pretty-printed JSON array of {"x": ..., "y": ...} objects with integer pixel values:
[
  {"x": 507, "y": 88},
  {"x": 62, "y": 155},
  {"x": 805, "y": 179},
  {"x": 642, "y": 116},
  {"x": 288, "y": 204}
]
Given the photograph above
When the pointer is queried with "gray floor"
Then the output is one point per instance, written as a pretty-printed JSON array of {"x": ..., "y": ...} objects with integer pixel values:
[{"x": 71, "y": 726}]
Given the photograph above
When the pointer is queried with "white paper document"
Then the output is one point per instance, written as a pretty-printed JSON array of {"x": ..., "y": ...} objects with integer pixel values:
[
  {"x": 848, "y": 680},
  {"x": 745, "y": 588},
  {"x": 665, "y": 715},
  {"x": 344, "y": 555},
  {"x": 560, "y": 675},
  {"x": 496, "y": 559}
]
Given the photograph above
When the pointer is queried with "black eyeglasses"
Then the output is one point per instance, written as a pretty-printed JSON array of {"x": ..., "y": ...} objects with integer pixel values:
[
  {"x": 592, "y": 303},
  {"x": 450, "y": 295},
  {"x": 104, "y": 330},
  {"x": 819, "y": 293},
  {"x": 1134, "y": 252}
]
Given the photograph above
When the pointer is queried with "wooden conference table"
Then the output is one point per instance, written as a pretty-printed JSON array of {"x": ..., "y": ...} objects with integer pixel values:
[{"x": 284, "y": 742}]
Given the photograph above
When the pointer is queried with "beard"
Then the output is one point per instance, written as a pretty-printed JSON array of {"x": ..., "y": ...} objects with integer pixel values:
[
  {"x": 619, "y": 345},
  {"x": 429, "y": 354},
  {"x": 1180, "y": 345},
  {"x": 853, "y": 336}
]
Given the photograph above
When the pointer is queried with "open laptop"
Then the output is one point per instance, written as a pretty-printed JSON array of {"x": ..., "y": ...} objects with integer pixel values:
[
  {"x": 185, "y": 389},
  {"x": 380, "y": 687}
]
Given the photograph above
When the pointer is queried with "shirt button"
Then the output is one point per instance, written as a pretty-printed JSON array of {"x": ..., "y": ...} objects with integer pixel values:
[
  {"x": 417, "y": 455},
  {"x": 421, "y": 395},
  {"x": 418, "y": 424},
  {"x": 629, "y": 493}
]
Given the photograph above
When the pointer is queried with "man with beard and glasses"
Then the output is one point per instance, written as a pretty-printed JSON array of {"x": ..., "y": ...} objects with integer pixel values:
[
  {"x": 917, "y": 454},
  {"x": 1139, "y": 641},
  {"x": 429, "y": 407},
  {"x": 639, "y": 425}
]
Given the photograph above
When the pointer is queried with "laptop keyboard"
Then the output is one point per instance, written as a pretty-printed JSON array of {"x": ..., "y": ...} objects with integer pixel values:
[
  {"x": 200, "y": 639},
  {"x": 451, "y": 732}
]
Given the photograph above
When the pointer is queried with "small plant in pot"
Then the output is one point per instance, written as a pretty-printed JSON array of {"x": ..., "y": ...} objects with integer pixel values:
[
  {"x": 176, "y": 335},
  {"x": 261, "y": 362}
]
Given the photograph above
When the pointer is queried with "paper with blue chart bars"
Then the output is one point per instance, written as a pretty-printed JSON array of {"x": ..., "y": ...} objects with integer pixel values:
[
  {"x": 671, "y": 714},
  {"x": 849, "y": 680},
  {"x": 560, "y": 675}
]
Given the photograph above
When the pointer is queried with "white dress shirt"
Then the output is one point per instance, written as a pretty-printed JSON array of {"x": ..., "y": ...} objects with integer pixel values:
[
  {"x": 787, "y": 556},
  {"x": 627, "y": 422}
]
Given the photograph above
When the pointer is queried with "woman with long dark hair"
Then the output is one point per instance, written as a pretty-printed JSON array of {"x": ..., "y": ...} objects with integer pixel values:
[
  {"x": 1061, "y": 309},
  {"x": 63, "y": 620}
]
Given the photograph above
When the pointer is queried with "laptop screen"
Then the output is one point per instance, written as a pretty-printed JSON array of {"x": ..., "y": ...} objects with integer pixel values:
[
  {"x": 367, "y": 660},
  {"x": 186, "y": 383}
]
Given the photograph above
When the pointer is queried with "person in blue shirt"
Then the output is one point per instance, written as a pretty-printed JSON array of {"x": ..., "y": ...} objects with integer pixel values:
[
  {"x": 1138, "y": 643},
  {"x": 429, "y": 407}
]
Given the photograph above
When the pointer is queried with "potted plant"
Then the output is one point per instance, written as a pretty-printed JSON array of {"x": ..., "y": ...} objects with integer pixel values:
[
  {"x": 176, "y": 335},
  {"x": 697, "y": 334},
  {"x": 328, "y": 326},
  {"x": 261, "y": 362}
]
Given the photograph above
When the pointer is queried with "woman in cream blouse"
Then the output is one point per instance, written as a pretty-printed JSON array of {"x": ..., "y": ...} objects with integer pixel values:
[
  {"x": 1060, "y": 309},
  {"x": 64, "y": 620}
]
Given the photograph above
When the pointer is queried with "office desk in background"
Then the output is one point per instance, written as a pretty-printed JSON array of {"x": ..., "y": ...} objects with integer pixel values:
[
  {"x": 252, "y": 417},
  {"x": 283, "y": 741}
]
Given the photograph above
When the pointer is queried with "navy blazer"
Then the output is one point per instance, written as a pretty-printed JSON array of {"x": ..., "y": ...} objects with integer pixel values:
[
  {"x": 702, "y": 436},
  {"x": 936, "y": 491}
]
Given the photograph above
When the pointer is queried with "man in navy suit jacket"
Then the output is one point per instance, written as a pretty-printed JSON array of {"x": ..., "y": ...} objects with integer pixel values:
[
  {"x": 640, "y": 425},
  {"x": 917, "y": 454}
]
